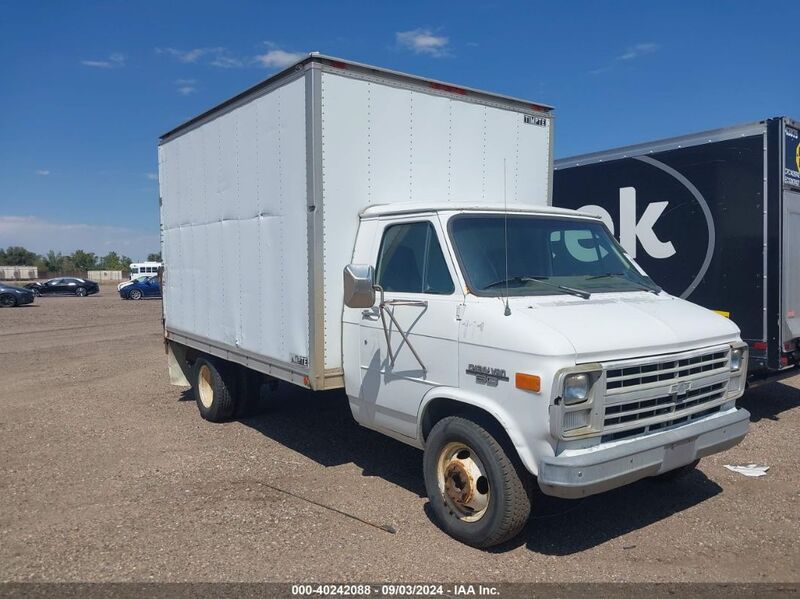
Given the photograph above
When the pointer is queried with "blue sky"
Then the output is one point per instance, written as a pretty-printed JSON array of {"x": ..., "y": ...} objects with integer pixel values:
[{"x": 87, "y": 87}]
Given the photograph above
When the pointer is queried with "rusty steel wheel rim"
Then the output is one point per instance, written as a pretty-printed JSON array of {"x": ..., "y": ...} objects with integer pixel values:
[
  {"x": 463, "y": 482},
  {"x": 205, "y": 386}
]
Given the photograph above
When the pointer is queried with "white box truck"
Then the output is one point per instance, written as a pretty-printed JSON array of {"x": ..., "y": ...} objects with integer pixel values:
[{"x": 345, "y": 226}]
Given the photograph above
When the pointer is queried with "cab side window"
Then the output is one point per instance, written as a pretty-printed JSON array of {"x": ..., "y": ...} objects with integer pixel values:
[{"x": 411, "y": 260}]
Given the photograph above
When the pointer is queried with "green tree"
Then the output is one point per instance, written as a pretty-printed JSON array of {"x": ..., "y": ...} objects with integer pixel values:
[
  {"x": 154, "y": 257},
  {"x": 18, "y": 256},
  {"x": 52, "y": 262},
  {"x": 112, "y": 261},
  {"x": 83, "y": 260}
]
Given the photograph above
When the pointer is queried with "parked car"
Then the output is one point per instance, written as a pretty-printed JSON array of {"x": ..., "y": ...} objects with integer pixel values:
[
  {"x": 140, "y": 288},
  {"x": 129, "y": 281},
  {"x": 65, "y": 286},
  {"x": 11, "y": 296}
]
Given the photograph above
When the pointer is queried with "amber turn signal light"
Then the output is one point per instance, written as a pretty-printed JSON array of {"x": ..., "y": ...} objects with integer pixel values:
[{"x": 529, "y": 382}]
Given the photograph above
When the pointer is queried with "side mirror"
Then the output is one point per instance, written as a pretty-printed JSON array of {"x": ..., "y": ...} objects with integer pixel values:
[{"x": 358, "y": 286}]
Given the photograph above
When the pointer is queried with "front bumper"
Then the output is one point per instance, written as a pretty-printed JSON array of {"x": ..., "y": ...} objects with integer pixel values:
[
  {"x": 589, "y": 471},
  {"x": 25, "y": 299}
]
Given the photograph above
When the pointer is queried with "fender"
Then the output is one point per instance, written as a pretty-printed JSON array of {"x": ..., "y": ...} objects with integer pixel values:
[{"x": 514, "y": 433}]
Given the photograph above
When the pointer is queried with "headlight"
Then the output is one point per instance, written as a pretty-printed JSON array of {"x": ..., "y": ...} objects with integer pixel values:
[
  {"x": 576, "y": 388},
  {"x": 736, "y": 359}
]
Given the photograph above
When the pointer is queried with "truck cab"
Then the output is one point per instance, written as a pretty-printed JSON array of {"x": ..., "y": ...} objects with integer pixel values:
[{"x": 520, "y": 343}]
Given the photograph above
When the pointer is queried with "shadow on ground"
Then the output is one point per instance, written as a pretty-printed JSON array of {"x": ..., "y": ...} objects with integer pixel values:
[
  {"x": 319, "y": 425},
  {"x": 770, "y": 400}
]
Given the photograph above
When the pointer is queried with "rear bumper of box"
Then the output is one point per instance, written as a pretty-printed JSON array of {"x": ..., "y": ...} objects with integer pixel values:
[{"x": 594, "y": 470}]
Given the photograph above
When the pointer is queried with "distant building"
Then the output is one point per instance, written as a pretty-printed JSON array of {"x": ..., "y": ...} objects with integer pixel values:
[
  {"x": 18, "y": 273},
  {"x": 101, "y": 276}
]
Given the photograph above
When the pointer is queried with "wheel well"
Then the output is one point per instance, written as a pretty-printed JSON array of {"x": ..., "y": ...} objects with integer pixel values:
[{"x": 442, "y": 407}]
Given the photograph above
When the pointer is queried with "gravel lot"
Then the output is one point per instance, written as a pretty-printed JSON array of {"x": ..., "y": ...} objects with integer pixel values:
[{"x": 109, "y": 474}]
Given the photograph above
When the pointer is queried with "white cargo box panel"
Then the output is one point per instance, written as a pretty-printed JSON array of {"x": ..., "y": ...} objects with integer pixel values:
[{"x": 260, "y": 199}]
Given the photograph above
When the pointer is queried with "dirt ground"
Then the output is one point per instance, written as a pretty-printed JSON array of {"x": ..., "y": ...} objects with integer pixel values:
[{"x": 109, "y": 474}]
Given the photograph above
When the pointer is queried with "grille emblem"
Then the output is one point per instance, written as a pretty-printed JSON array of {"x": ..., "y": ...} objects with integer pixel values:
[{"x": 680, "y": 388}]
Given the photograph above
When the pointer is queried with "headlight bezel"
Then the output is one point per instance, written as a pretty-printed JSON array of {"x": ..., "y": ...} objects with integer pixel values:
[{"x": 592, "y": 404}]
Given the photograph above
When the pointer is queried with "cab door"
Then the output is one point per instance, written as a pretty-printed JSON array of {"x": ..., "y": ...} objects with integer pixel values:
[{"x": 410, "y": 344}]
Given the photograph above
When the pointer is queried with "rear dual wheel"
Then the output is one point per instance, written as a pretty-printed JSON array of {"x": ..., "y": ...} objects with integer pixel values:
[
  {"x": 478, "y": 489},
  {"x": 213, "y": 385}
]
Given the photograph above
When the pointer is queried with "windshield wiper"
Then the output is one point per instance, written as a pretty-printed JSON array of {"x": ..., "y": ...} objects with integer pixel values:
[
  {"x": 564, "y": 288},
  {"x": 621, "y": 275}
]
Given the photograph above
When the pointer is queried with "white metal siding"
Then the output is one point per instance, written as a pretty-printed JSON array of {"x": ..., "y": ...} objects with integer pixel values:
[
  {"x": 386, "y": 144},
  {"x": 234, "y": 227}
]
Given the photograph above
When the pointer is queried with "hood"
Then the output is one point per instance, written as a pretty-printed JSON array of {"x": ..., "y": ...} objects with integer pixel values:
[{"x": 612, "y": 326}]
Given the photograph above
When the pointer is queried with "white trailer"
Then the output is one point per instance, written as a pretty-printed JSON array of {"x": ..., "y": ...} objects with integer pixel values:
[{"x": 341, "y": 225}]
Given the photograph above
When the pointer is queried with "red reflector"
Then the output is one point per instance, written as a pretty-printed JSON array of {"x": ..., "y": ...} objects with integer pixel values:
[
  {"x": 784, "y": 360},
  {"x": 761, "y": 345},
  {"x": 337, "y": 64},
  {"x": 539, "y": 108},
  {"x": 448, "y": 88}
]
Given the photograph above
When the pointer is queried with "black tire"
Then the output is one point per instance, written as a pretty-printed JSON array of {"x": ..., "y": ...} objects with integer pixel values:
[
  {"x": 7, "y": 301},
  {"x": 135, "y": 294},
  {"x": 36, "y": 292},
  {"x": 509, "y": 485},
  {"x": 677, "y": 473},
  {"x": 80, "y": 292},
  {"x": 213, "y": 384}
]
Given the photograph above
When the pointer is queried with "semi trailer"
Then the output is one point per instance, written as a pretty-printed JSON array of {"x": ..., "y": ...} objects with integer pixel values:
[
  {"x": 392, "y": 236},
  {"x": 713, "y": 217}
]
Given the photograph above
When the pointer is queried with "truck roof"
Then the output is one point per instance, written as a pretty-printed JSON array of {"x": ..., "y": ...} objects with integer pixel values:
[
  {"x": 377, "y": 210},
  {"x": 356, "y": 68}
]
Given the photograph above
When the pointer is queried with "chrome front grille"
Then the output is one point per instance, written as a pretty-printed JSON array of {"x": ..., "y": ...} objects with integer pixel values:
[
  {"x": 665, "y": 370},
  {"x": 649, "y": 394}
]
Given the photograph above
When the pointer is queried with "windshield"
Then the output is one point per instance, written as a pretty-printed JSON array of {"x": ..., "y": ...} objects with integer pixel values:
[{"x": 546, "y": 256}]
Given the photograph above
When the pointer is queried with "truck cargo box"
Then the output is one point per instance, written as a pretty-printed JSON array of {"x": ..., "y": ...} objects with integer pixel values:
[
  {"x": 260, "y": 198},
  {"x": 713, "y": 217}
]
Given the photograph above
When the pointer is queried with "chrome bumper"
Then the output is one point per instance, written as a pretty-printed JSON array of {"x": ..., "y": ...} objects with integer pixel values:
[{"x": 585, "y": 472}]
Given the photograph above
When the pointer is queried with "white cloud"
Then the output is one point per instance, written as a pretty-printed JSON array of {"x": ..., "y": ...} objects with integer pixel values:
[
  {"x": 186, "y": 86},
  {"x": 215, "y": 56},
  {"x": 113, "y": 61},
  {"x": 275, "y": 58},
  {"x": 151, "y": 176},
  {"x": 638, "y": 50},
  {"x": 40, "y": 236},
  {"x": 423, "y": 41},
  {"x": 631, "y": 53},
  {"x": 42, "y": 172}
]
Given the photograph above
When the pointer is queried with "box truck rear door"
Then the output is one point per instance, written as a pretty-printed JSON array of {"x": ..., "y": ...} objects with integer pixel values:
[{"x": 791, "y": 265}]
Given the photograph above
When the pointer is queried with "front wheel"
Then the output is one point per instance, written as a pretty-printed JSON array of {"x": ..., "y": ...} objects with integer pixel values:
[
  {"x": 36, "y": 292},
  {"x": 479, "y": 492},
  {"x": 7, "y": 301},
  {"x": 80, "y": 292},
  {"x": 135, "y": 294}
]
